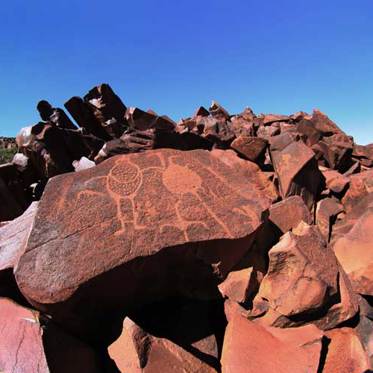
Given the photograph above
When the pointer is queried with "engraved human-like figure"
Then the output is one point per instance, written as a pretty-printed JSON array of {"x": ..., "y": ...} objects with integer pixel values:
[{"x": 123, "y": 181}]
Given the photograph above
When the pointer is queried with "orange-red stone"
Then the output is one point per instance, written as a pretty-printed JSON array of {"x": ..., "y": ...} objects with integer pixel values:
[{"x": 168, "y": 222}]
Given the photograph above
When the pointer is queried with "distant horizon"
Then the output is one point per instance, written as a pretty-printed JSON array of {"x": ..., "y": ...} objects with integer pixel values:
[{"x": 275, "y": 57}]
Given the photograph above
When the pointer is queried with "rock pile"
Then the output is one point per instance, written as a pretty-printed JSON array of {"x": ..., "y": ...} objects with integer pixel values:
[{"x": 222, "y": 243}]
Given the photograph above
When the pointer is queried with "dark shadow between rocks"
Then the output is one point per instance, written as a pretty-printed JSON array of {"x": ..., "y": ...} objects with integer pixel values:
[
  {"x": 9, "y": 288},
  {"x": 94, "y": 313},
  {"x": 186, "y": 322},
  {"x": 325, "y": 342}
]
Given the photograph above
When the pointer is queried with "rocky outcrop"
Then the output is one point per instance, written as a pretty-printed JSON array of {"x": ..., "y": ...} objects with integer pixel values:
[{"x": 221, "y": 243}]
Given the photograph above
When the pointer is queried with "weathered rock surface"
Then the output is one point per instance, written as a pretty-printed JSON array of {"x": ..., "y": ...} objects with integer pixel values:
[
  {"x": 302, "y": 281},
  {"x": 13, "y": 241},
  {"x": 27, "y": 346},
  {"x": 250, "y": 347},
  {"x": 297, "y": 171},
  {"x": 138, "y": 351},
  {"x": 288, "y": 213},
  {"x": 250, "y": 148},
  {"x": 345, "y": 353},
  {"x": 13, "y": 237},
  {"x": 354, "y": 251},
  {"x": 193, "y": 210},
  {"x": 240, "y": 285},
  {"x": 326, "y": 213},
  {"x": 361, "y": 185},
  {"x": 335, "y": 181}
]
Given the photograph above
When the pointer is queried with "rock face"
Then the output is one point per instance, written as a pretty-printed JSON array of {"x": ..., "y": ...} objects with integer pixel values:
[
  {"x": 191, "y": 209},
  {"x": 288, "y": 213},
  {"x": 139, "y": 352},
  {"x": 297, "y": 171},
  {"x": 361, "y": 185},
  {"x": 302, "y": 280},
  {"x": 221, "y": 243},
  {"x": 13, "y": 241},
  {"x": 327, "y": 211},
  {"x": 345, "y": 353},
  {"x": 354, "y": 252},
  {"x": 21, "y": 340},
  {"x": 250, "y": 347},
  {"x": 26, "y": 346},
  {"x": 249, "y": 147}
]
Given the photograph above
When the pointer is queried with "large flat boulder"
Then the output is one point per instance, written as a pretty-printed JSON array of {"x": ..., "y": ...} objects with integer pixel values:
[{"x": 140, "y": 227}]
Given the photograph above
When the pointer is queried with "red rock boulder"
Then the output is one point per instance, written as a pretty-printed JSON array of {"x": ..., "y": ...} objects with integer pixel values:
[
  {"x": 251, "y": 348},
  {"x": 355, "y": 253},
  {"x": 297, "y": 172},
  {"x": 345, "y": 353},
  {"x": 13, "y": 240},
  {"x": 140, "y": 227},
  {"x": 304, "y": 280},
  {"x": 361, "y": 185},
  {"x": 137, "y": 351},
  {"x": 287, "y": 214},
  {"x": 27, "y": 346}
]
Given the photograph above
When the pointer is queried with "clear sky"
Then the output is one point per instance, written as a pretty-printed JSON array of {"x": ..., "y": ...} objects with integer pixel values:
[{"x": 276, "y": 56}]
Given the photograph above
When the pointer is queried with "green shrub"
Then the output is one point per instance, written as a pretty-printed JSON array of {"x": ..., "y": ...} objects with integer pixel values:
[{"x": 6, "y": 155}]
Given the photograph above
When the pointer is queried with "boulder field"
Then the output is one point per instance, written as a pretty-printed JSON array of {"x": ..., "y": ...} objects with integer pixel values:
[{"x": 222, "y": 243}]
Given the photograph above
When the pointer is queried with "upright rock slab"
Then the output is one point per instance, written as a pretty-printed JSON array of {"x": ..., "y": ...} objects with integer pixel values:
[
  {"x": 354, "y": 251},
  {"x": 361, "y": 185},
  {"x": 139, "y": 227},
  {"x": 297, "y": 171},
  {"x": 13, "y": 240}
]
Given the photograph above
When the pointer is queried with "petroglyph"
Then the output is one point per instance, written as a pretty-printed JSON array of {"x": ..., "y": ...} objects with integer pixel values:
[
  {"x": 138, "y": 204},
  {"x": 181, "y": 180}
]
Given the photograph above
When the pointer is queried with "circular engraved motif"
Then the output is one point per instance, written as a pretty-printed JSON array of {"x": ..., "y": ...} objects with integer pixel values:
[
  {"x": 124, "y": 179},
  {"x": 180, "y": 180}
]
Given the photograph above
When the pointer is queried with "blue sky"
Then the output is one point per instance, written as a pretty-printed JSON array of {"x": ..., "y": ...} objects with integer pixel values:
[{"x": 172, "y": 56}]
